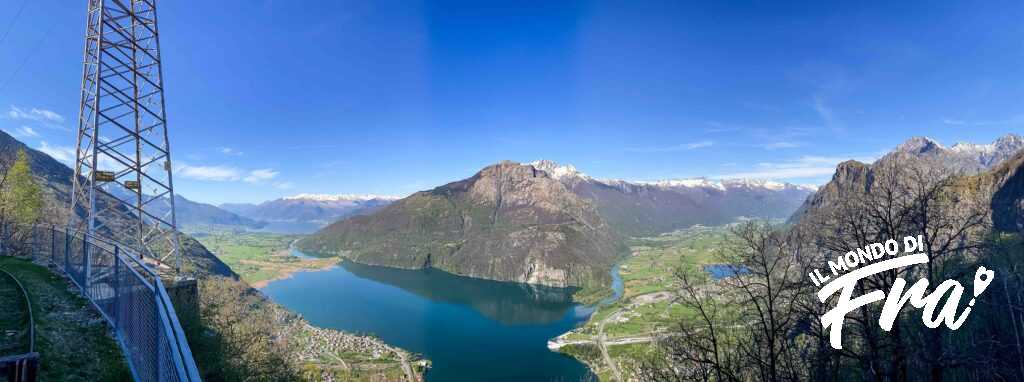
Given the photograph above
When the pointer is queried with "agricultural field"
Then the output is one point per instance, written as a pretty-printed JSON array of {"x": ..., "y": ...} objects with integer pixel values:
[
  {"x": 626, "y": 327},
  {"x": 260, "y": 257}
]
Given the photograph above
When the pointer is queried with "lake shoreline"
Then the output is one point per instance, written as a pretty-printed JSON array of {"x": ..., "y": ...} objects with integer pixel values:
[
  {"x": 388, "y": 303},
  {"x": 306, "y": 264}
]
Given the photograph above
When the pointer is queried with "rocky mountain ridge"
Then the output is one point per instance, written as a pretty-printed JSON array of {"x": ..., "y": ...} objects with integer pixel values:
[
  {"x": 993, "y": 170},
  {"x": 508, "y": 222},
  {"x": 968, "y": 158},
  {"x": 640, "y": 208}
]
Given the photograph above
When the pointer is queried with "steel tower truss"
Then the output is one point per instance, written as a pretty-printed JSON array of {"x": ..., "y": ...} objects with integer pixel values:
[{"x": 122, "y": 185}]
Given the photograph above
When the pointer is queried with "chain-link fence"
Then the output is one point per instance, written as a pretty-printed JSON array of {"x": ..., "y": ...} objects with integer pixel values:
[{"x": 128, "y": 293}]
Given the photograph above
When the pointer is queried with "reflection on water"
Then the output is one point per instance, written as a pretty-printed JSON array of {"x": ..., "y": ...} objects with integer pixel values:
[
  {"x": 508, "y": 303},
  {"x": 470, "y": 329}
]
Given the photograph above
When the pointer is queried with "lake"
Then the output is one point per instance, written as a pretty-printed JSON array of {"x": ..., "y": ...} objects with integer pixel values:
[{"x": 471, "y": 329}]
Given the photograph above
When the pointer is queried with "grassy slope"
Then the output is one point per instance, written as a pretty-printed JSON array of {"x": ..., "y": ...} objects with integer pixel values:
[
  {"x": 647, "y": 272},
  {"x": 73, "y": 340},
  {"x": 258, "y": 258}
]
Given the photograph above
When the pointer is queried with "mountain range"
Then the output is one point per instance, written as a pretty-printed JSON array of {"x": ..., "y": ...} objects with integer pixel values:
[
  {"x": 994, "y": 170},
  {"x": 542, "y": 222},
  {"x": 305, "y": 213},
  {"x": 551, "y": 224},
  {"x": 636, "y": 208},
  {"x": 511, "y": 221},
  {"x": 631, "y": 207},
  {"x": 966, "y": 158}
]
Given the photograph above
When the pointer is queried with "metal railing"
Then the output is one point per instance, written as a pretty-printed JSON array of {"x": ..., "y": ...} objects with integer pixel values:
[{"x": 129, "y": 294}]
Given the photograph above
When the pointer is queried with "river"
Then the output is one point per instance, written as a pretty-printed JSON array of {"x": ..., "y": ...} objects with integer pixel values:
[{"x": 471, "y": 329}]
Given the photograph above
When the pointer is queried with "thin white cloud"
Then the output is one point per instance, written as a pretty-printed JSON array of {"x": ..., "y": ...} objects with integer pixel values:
[
  {"x": 680, "y": 147},
  {"x": 230, "y": 151},
  {"x": 823, "y": 110},
  {"x": 780, "y": 145},
  {"x": 1013, "y": 120},
  {"x": 260, "y": 175},
  {"x": 209, "y": 173},
  {"x": 284, "y": 185},
  {"x": 827, "y": 114},
  {"x": 718, "y": 127},
  {"x": 61, "y": 153},
  {"x": 23, "y": 132},
  {"x": 66, "y": 155},
  {"x": 697, "y": 145},
  {"x": 34, "y": 114},
  {"x": 226, "y": 173},
  {"x": 799, "y": 168}
]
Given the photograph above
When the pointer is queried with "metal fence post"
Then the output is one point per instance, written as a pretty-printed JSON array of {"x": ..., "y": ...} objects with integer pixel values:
[
  {"x": 86, "y": 265},
  {"x": 67, "y": 256},
  {"x": 117, "y": 288}
]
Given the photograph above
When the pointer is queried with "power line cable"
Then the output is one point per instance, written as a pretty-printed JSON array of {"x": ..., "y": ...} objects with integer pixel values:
[
  {"x": 28, "y": 57},
  {"x": 13, "y": 21}
]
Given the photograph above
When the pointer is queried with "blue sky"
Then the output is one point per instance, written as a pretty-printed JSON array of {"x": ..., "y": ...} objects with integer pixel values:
[{"x": 271, "y": 98}]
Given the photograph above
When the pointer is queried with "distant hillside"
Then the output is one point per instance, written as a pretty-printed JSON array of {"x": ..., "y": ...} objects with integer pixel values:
[
  {"x": 509, "y": 222},
  {"x": 195, "y": 213},
  {"x": 55, "y": 179},
  {"x": 309, "y": 210},
  {"x": 647, "y": 208}
]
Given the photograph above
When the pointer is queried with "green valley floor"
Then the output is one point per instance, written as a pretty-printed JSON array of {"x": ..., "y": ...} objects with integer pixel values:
[
  {"x": 260, "y": 258},
  {"x": 619, "y": 335}
]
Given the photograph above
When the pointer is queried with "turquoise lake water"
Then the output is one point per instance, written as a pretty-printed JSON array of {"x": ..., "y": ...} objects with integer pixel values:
[{"x": 471, "y": 329}]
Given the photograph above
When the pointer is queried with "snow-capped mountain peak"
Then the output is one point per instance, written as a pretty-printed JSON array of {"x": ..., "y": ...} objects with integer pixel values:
[
  {"x": 340, "y": 197},
  {"x": 964, "y": 147},
  {"x": 686, "y": 183},
  {"x": 1009, "y": 142},
  {"x": 970, "y": 157},
  {"x": 569, "y": 172},
  {"x": 724, "y": 184},
  {"x": 919, "y": 145},
  {"x": 558, "y": 171},
  {"x": 754, "y": 183}
]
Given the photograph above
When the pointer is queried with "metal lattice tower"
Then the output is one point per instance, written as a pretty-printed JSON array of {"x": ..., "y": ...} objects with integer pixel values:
[{"x": 122, "y": 186}]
